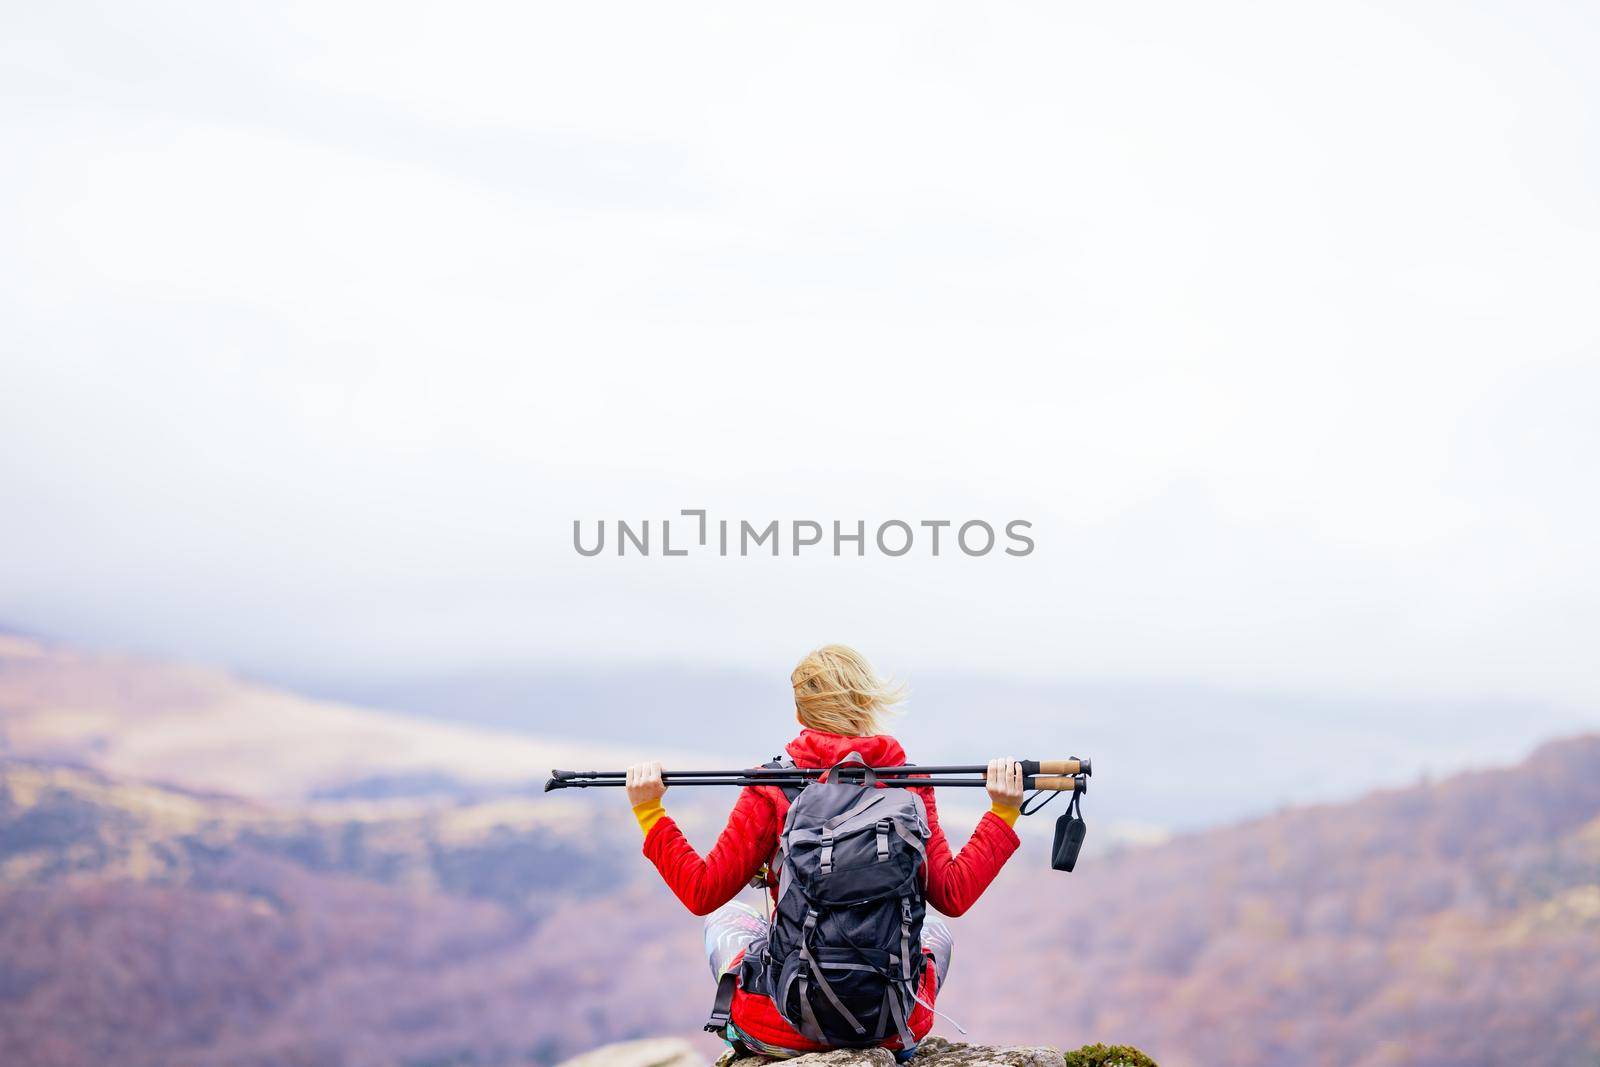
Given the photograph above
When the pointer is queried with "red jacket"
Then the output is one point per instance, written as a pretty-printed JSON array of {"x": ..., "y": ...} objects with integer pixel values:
[{"x": 749, "y": 840}]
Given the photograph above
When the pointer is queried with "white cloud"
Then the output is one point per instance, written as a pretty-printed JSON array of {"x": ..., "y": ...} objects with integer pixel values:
[{"x": 1277, "y": 323}]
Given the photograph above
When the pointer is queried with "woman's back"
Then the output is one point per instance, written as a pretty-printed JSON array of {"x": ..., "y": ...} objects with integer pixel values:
[
  {"x": 954, "y": 882},
  {"x": 840, "y": 703}
]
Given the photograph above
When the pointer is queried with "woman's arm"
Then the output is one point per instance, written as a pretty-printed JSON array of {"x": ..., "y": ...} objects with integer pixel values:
[
  {"x": 704, "y": 885},
  {"x": 956, "y": 882}
]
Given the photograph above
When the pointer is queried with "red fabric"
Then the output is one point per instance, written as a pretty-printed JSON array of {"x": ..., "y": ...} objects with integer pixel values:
[
  {"x": 954, "y": 882},
  {"x": 757, "y": 1016}
]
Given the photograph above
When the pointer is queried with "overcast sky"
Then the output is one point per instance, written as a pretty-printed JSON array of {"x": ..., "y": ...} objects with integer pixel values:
[{"x": 321, "y": 324}]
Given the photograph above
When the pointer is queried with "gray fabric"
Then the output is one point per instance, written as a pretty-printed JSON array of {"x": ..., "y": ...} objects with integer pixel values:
[
  {"x": 898, "y": 1012},
  {"x": 734, "y": 926},
  {"x": 808, "y": 1024},
  {"x": 911, "y": 839},
  {"x": 940, "y": 943},
  {"x": 845, "y": 822},
  {"x": 785, "y": 878},
  {"x": 905, "y": 940},
  {"x": 737, "y": 925},
  {"x": 856, "y": 833},
  {"x": 838, "y": 822},
  {"x": 827, "y": 990}
]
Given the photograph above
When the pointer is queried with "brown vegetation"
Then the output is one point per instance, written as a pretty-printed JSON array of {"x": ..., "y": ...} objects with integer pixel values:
[{"x": 1453, "y": 924}]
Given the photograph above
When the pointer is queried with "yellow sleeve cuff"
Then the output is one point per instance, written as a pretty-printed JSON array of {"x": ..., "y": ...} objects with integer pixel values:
[
  {"x": 649, "y": 813},
  {"x": 1006, "y": 813}
]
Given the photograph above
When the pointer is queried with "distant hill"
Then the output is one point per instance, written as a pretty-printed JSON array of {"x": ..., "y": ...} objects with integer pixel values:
[
  {"x": 1268, "y": 748},
  {"x": 144, "y": 925},
  {"x": 199, "y": 872},
  {"x": 1448, "y": 925},
  {"x": 202, "y": 728},
  {"x": 1451, "y": 924}
]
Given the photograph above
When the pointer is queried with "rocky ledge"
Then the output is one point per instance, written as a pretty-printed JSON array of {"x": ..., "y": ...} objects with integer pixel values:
[{"x": 933, "y": 1052}]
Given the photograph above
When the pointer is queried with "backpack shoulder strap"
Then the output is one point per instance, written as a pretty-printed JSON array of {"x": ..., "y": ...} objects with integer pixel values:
[
  {"x": 783, "y": 762},
  {"x": 781, "y": 797}
]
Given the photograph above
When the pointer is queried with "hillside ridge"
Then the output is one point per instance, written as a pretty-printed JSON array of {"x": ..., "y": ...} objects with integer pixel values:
[
  {"x": 203, "y": 728},
  {"x": 1453, "y": 923}
]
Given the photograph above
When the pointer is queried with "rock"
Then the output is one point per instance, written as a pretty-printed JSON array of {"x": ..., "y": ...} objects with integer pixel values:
[
  {"x": 843, "y": 1057},
  {"x": 933, "y": 1052},
  {"x": 941, "y": 1053},
  {"x": 650, "y": 1052}
]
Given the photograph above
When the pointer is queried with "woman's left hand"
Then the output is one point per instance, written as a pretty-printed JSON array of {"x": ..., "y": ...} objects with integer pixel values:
[
  {"x": 644, "y": 782},
  {"x": 1004, "y": 782}
]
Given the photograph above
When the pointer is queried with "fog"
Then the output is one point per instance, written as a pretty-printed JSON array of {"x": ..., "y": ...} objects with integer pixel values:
[{"x": 321, "y": 324}]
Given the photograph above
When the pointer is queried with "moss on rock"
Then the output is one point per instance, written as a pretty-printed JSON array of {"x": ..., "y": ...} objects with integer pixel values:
[{"x": 1108, "y": 1056}]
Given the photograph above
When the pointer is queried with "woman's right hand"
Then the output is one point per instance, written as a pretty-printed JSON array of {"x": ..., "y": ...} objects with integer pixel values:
[
  {"x": 644, "y": 782},
  {"x": 1004, "y": 783}
]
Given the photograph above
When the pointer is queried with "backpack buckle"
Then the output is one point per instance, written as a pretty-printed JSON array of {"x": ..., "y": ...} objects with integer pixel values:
[{"x": 722, "y": 1008}]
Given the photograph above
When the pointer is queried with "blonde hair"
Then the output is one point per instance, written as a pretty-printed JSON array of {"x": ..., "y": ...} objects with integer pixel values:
[{"x": 837, "y": 691}]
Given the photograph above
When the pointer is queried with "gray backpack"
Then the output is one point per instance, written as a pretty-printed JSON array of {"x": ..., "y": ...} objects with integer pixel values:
[{"x": 843, "y": 956}]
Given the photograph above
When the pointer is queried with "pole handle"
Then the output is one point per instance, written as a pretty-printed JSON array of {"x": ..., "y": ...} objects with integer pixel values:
[
  {"x": 1059, "y": 783},
  {"x": 1056, "y": 766}
]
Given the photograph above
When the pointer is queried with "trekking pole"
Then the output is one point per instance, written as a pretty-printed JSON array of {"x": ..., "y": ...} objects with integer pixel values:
[
  {"x": 1030, "y": 769},
  {"x": 1047, "y": 779},
  {"x": 1078, "y": 783}
]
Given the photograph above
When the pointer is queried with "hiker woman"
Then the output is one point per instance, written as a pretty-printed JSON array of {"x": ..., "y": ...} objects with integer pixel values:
[{"x": 840, "y": 703}]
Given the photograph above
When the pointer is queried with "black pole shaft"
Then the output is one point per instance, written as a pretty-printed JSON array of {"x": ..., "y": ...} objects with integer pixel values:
[
  {"x": 909, "y": 783},
  {"x": 729, "y": 780},
  {"x": 788, "y": 772}
]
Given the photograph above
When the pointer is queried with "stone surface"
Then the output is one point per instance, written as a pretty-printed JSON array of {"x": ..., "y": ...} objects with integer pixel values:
[
  {"x": 650, "y": 1052},
  {"x": 933, "y": 1052}
]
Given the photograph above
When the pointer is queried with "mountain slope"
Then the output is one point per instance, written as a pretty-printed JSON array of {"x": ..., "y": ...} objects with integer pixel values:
[
  {"x": 1456, "y": 923},
  {"x": 205, "y": 729},
  {"x": 140, "y": 924},
  {"x": 1448, "y": 924},
  {"x": 472, "y": 923}
]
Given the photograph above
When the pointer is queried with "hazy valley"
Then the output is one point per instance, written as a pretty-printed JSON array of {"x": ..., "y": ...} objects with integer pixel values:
[{"x": 201, "y": 871}]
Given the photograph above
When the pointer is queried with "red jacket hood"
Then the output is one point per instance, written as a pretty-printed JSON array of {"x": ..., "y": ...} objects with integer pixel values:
[{"x": 813, "y": 748}]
